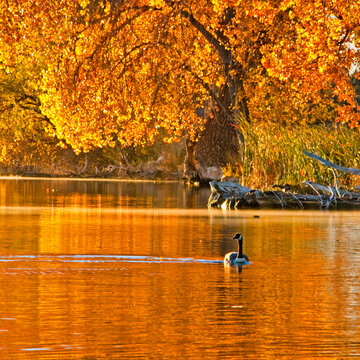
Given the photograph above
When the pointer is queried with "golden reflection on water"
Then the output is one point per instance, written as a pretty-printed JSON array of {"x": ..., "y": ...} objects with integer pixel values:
[{"x": 100, "y": 282}]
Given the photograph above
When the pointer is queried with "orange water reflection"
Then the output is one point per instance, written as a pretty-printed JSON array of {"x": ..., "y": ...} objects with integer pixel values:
[{"x": 86, "y": 282}]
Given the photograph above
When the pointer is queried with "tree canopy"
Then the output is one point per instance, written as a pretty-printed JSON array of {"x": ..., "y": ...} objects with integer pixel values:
[{"x": 114, "y": 71}]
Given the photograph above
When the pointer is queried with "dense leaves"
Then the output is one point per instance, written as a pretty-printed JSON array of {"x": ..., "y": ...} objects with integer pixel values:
[
  {"x": 116, "y": 71},
  {"x": 24, "y": 131}
]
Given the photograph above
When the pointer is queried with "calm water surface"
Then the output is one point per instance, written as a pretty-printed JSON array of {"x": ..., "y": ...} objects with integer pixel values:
[{"x": 121, "y": 270}]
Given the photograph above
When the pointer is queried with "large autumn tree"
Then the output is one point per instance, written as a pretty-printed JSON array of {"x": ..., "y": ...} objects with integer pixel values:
[{"x": 130, "y": 71}]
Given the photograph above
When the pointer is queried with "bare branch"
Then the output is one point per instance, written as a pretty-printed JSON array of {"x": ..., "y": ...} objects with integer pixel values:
[{"x": 331, "y": 164}]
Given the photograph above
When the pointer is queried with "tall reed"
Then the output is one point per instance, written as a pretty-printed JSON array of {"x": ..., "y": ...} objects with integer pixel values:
[{"x": 272, "y": 154}]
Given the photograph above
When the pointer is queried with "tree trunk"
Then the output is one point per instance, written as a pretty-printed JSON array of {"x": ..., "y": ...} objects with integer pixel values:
[
  {"x": 195, "y": 172},
  {"x": 220, "y": 141},
  {"x": 191, "y": 166}
]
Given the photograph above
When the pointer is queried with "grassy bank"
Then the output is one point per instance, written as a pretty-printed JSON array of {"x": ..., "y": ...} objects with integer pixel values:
[
  {"x": 273, "y": 154},
  {"x": 270, "y": 155}
]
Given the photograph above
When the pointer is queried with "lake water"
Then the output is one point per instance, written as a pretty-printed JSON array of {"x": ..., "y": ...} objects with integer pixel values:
[{"x": 133, "y": 270}]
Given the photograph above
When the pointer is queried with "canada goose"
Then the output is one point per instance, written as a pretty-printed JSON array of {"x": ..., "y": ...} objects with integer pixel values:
[{"x": 237, "y": 257}]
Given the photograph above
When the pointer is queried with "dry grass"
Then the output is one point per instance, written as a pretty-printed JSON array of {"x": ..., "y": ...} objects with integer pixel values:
[{"x": 273, "y": 155}]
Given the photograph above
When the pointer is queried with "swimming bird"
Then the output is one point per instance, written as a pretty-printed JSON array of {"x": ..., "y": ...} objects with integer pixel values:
[{"x": 236, "y": 257}]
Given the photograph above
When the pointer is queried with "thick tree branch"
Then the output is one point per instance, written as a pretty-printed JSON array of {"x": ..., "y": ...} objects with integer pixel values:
[
  {"x": 234, "y": 82},
  {"x": 32, "y": 103},
  {"x": 331, "y": 164},
  {"x": 224, "y": 54},
  {"x": 207, "y": 87}
]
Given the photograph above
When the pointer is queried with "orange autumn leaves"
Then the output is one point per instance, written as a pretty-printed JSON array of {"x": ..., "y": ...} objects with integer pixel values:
[
  {"x": 114, "y": 72},
  {"x": 317, "y": 52}
]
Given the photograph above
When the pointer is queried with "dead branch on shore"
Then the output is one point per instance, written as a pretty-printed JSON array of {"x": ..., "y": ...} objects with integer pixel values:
[
  {"x": 331, "y": 164},
  {"x": 230, "y": 195},
  {"x": 234, "y": 196}
]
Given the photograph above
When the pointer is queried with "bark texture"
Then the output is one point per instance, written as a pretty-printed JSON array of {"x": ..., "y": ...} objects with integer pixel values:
[{"x": 219, "y": 143}]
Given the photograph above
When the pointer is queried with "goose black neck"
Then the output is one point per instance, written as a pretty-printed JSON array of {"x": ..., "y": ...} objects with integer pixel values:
[{"x": 240, "y": 249}]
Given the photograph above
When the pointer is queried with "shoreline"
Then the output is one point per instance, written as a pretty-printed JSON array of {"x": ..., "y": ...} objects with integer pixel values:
[{"x": 82, "y": 178}]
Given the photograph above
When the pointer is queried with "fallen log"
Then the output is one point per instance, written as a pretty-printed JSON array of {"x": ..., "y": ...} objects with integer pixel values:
[
  {"x": 329, "y": 190},
  {"x": 318, "y": 187},
  {"x": 231, "y": 195},
  {"x": 222, "y": 191}
]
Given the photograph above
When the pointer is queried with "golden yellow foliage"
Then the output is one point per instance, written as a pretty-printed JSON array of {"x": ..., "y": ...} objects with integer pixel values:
[{"x": 126, "y": 71}]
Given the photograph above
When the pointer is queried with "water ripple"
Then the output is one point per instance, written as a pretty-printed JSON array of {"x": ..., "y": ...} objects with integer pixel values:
[{"x": 94, "y": 259}]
